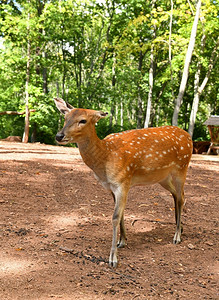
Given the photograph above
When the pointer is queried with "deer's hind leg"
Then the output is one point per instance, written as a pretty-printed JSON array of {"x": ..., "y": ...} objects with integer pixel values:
[
  {"x": 176, "y": 188},
  {"x": 179, "y": 203},
  {"x": 122, "y": 239}
]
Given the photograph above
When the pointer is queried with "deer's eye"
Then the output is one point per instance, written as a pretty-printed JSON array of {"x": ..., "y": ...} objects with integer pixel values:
[{"x": 83, "y": 122}]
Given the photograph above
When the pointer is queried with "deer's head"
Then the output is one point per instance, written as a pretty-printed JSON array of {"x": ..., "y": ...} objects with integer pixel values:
[{"x": 79, "y": 122}]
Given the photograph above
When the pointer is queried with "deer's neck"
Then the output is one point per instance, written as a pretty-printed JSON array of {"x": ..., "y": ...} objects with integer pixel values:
[{"x": 93, "y": 152}]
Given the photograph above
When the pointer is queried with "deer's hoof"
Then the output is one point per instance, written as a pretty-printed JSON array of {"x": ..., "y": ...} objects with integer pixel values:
[
  {"x": 177, "y": 239},
  {"x": 113, "y": 262},
  {"x": 121, "y": 243}
]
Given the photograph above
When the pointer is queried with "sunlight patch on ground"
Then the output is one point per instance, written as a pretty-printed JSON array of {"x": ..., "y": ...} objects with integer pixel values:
[
  {"x": 143, "y": 226},
  {"x": 215, "y": 269},
  {"x": 13, "y": 266},
  {"x": 139, "y": 224},
  {"x": 77, "y": 295},
  {"x": 205, "y": 157},
  {"x": 66, "y": 220},
  {"x": 205, "y": 166}
]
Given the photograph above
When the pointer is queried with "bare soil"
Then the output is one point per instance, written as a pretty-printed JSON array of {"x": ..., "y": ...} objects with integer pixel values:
[{"x": 55, "y": 232}]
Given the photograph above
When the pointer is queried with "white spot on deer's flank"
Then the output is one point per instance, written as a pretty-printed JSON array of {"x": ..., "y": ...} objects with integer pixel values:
[{"x": 181, "y": 148}]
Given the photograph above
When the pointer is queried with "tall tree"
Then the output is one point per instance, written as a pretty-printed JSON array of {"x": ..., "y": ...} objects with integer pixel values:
[
  {"x": 151, "y": 73},
  {"x": 198, "y": 89},
  {"x": 186, "y": 66},
  {"x": 27, "y": 114}
]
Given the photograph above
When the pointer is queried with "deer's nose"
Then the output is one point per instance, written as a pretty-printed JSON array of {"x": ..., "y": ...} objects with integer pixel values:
[{"x": 59, "y": 136}]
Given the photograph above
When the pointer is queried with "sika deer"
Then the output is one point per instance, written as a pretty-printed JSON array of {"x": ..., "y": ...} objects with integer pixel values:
[{"x": 133, "y": 157}]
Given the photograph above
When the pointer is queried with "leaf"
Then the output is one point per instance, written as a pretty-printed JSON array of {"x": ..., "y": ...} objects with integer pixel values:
[{"x": 19, "y": 249}]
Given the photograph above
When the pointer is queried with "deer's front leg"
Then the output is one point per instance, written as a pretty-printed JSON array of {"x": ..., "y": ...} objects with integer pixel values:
[{"x": 120, "y": 202}]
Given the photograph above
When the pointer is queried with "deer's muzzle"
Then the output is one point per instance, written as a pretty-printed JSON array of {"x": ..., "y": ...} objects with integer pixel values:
[{"x": 59, "y": 136}]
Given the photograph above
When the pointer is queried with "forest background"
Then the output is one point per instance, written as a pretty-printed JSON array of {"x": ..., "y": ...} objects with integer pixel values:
[{"x": 126, "y": 57}]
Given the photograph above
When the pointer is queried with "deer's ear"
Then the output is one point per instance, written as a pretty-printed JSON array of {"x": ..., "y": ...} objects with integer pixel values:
[
  {"x": 100, "y": 115},
  {"x": 63, "y": 106}
]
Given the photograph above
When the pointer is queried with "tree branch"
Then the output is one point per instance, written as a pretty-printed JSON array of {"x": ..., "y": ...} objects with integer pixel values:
[
  {"x": 15, "y": 112},
  {"x": 212, "y": 62}
]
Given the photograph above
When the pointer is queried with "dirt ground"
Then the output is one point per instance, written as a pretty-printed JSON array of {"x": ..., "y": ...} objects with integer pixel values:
[{"x": 55, "y": 232}]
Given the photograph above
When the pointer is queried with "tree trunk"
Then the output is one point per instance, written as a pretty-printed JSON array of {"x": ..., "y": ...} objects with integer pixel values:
[
  {"x": 45, "y": 77},
  {"x": 116, "y": 115},
  {"x": 186, "y": 66},
  {"x": 195, "y": 101},
  {"x": 121, "y": 114},
  {"x": 27, "y": 113},
  {"x": 112, "y": 111},
  {"x": 151, "y": 76},
  {"x": 151, "y": 82},
  {"x": 196, "y": 94},
  {"x": 34, "y": 133},
  {"x": 113, "y": 88},
  {"x": 139, "y": 109},
  {"x": 170, "y": 48},
  {"x": 199, "y": 89}
]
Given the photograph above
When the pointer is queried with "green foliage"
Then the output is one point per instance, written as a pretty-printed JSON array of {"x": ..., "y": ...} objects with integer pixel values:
[{"x": 89, "y": 53}]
